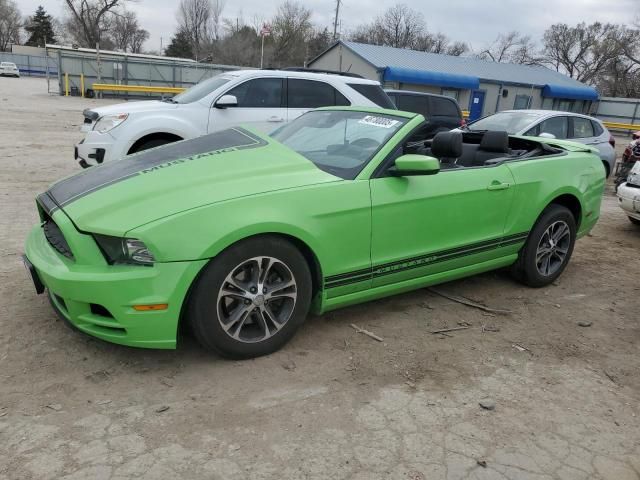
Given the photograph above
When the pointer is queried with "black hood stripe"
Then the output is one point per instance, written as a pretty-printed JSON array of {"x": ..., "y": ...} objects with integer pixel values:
[{"x": 96, "y": 178}]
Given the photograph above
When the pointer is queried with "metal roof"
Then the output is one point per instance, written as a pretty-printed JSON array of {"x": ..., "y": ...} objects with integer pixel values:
[
  {"x": 383, "y": 57},
  {"x": 112, "y": 53}
]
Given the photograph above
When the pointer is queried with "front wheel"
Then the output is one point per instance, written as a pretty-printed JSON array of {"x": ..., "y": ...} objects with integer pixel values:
[
  {"x": 548, "y": 248},
  {"x": 250, "y": 300},
  {"x": 635, "y": 221}
]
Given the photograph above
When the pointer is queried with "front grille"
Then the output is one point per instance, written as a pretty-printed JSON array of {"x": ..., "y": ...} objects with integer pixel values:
[{"x": 55, "y": 238}]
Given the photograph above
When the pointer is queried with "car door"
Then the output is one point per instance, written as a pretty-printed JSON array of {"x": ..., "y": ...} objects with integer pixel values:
[
  {"x": 558, "y": 126},
  {"x": 304, "y": 95},
  {"x": 581, "y": 130},
  {"x": 423, "y": 225},
  {"x": 261, "y": 104}
]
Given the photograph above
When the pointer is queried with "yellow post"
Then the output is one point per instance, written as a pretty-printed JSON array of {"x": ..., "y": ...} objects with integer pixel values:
[
  {"x": 82, "y": 85},
  {"x": 66, "y": 84}
]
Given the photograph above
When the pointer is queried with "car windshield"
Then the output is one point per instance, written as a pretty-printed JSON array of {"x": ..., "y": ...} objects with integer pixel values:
[
  {"x": 340, "y": 142},
  {"x": 201, "y": 90},
  {"x": 511, "y": 122}
]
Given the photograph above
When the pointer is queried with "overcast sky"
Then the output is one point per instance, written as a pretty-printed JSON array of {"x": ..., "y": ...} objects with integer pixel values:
[{"x": 472, "y": 21}]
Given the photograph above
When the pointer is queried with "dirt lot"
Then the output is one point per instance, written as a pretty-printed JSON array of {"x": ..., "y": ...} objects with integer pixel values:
[{"x": 333, "y": 404}]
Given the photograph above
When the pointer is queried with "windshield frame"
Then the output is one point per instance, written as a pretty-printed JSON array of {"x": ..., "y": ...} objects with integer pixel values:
[
  {"x": 535, "y": 116},
  {"x": 347, "y": 173}
]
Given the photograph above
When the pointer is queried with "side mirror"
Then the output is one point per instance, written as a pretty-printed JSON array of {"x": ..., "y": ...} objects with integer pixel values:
[
  {"x": 547, "y": 135},
  {"x": 411, "y": 164},
  {"x": 226, "y": 101}
]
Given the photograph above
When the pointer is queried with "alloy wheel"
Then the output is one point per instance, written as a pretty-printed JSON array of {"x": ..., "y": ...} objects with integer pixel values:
[
  {"x": 256, "y": 299},
  {"x": 553, "y": 248}
]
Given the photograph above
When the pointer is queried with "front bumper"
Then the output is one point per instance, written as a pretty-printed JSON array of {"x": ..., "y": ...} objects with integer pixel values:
[
  {"x": 98, "y": 299},
  {"x": 97, "y": 148},
  {"x": 629, "y": 200}
]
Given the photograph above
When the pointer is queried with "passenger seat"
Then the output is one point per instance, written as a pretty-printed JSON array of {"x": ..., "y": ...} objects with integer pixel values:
[{"x": 493, "y": 145}]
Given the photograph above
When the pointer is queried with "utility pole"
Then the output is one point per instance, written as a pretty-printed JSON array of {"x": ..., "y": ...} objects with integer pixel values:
[{"x": 335, "y": 20}]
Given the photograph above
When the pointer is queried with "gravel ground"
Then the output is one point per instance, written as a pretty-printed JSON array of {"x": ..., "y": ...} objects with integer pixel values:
[{"x": 333, "y": 404}]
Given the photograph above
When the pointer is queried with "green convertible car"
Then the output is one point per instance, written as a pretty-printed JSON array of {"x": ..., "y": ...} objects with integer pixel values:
[{"x": 242, "y": 234}]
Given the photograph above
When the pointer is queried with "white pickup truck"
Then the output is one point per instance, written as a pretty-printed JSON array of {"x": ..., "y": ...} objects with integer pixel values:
[{"x": 263, "y": 99}]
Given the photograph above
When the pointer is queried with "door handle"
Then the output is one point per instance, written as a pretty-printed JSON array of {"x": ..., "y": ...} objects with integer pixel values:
[
  {"x": 498, "y": 186},
  {"x": 276, "y": 119}
]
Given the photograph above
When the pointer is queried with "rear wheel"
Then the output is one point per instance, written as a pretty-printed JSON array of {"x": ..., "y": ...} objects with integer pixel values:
[
  {"x": 548, "y": 248},
  {"x": 251, "y": 299}
]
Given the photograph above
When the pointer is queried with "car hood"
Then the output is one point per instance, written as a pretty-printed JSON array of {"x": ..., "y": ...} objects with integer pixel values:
[
  {"x": 118, "y": 196},
  {"x": 133, "y": 107}
]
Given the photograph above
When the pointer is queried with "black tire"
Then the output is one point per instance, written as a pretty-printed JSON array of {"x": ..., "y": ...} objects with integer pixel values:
[
  {"x": 208, "y": 304},
  {"x": 526, "y": 269},
  {"x": 156, "y": 142},
  {"x": 635, "y": 221}
]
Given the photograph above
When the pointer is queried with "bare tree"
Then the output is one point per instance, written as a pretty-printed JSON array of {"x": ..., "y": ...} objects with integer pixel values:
[
  {"x": 123, "y": 29},
  {"x": 90, "y": 19},
  {"x": 194, "y": 18},
  {"x": 290, "y": 31},
  {"x": 439, "y": 43},
  {"x": 402, "y": 27},
  {"x": 217, "y": 7},
  {"x": 10, "y": 24},
  {"x": 581, "y": 51},
  {"x": 511, "y": 47},
  {"x": 399, "y": 26},
  {"x": 137, "y": 40}
]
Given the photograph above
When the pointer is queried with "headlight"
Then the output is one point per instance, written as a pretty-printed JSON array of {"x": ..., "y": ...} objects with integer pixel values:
[
  {"x": 119, "y": 251},
  {"x": 109, "y": 122}
]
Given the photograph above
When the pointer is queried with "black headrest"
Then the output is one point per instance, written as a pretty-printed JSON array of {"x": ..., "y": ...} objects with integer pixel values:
[
  {"x": 495, "y": 142},
  {"x": 447, "y": 145}
]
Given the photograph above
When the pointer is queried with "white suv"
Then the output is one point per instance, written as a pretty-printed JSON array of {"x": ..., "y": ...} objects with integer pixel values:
[
  {"x": 263, "y": 99},
  {"x": 9, "y": 69}
]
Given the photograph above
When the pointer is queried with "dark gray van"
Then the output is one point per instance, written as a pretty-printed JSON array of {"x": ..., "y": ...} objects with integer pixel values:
[{"x": 442, "y": 113}]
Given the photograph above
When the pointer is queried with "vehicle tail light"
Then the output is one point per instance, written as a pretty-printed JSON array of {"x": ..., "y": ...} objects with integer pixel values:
[{"x": 612, "y": 141}]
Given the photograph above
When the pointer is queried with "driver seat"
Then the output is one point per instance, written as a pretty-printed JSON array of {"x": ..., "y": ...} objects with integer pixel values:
[{"x": 446, "y": 147}]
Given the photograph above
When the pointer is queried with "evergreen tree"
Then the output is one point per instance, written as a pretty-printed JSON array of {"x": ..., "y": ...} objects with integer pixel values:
[
  {"x": 180, "y": 45},
  {"x": 40, "y": 28}
]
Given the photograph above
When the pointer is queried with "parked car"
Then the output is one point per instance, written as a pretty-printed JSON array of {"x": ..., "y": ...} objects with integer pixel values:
[
  {"x": 552, "y": 124},
  {"x": 241, "y": 234},
  {"x": 263, "y": 99},
  {"x": 629, "y": 195},
  {"x": 630, "y": 157},
  {"x": 441, "y": 113},
  {"x": 9, "y": 69}
]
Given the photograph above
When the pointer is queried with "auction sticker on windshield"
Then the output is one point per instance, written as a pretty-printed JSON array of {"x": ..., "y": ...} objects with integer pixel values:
[{"x": 382, "y": 122}]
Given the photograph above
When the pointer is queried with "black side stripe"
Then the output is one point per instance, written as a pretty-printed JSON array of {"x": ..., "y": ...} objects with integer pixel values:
[{"x": 422, "y": 260}]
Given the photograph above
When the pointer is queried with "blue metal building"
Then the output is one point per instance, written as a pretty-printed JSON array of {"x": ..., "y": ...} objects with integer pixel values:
[{"x": 480, "y": 86}]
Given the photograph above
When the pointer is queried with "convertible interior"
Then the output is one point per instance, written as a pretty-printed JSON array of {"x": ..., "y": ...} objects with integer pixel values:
[{"x": 457, "y": 149}]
